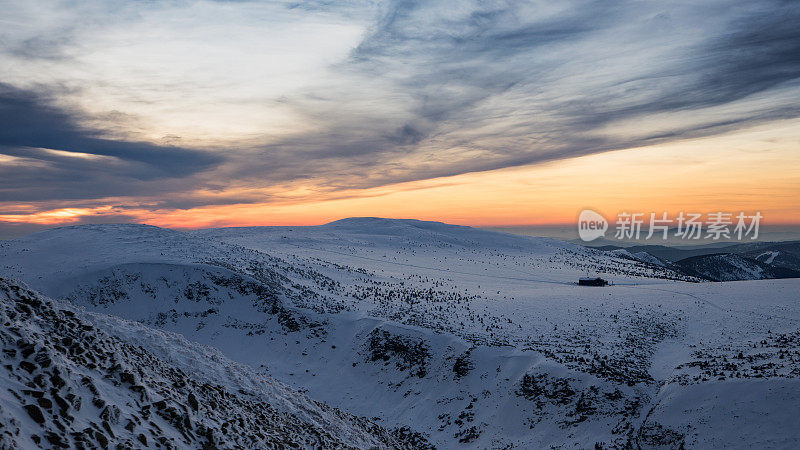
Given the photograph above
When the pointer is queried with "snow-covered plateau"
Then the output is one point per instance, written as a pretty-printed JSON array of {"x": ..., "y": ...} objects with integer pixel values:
[{"x": 384, "y": 333}]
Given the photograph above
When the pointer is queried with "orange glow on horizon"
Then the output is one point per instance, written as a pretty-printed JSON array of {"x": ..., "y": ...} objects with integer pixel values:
[
  {"x": 754, "y": 170},
  {"x": 55, "y": 216}
]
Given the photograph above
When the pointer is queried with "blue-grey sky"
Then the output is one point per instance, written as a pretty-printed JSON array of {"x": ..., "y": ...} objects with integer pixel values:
[{"x": 174, "y": 105}]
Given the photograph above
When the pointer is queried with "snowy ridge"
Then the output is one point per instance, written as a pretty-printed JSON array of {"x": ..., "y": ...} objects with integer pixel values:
[{"x": 77, "y": 379}]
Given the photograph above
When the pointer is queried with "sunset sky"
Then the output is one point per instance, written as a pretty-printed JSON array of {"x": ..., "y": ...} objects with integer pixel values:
[{"x": 221, "y": 113}]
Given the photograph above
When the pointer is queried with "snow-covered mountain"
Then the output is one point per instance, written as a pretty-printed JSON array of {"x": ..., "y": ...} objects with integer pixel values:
[
  {"x": 733, "y": 267},
  {"x": 458, "y": 336},
  {"x": 777, "y": 254}
]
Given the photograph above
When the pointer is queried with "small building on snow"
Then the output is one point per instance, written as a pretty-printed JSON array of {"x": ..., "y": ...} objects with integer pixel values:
[{"x": 592, "y": 282}]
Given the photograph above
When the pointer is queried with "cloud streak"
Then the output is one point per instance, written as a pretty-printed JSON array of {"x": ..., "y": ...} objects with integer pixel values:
[
  {"x": 433, "y": 92},
  {"x": 430, "y": 89},
  {"x": 55, "y": 158}
]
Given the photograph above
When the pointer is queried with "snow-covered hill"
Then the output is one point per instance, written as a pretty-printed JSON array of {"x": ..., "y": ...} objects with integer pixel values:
[
  {"x": 468, "y": 337},
  {"x": 77, "y": 380},
  {"x": 732, "y": 267},
  {"x": 643, "y": 257}
]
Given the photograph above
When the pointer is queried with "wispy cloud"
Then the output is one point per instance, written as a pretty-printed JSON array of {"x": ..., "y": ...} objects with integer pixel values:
[
  {"x": 416, "y": 90},
  {"x": 434, "y": 90}
]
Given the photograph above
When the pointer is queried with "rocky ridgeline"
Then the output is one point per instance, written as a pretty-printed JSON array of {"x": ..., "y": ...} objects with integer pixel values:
[{"x": 69, "y": 384}]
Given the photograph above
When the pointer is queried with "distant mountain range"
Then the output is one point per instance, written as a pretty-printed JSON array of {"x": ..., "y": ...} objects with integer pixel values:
[
  {"x": 750, "y": 261},
  {"x": 732, "y": 267}
]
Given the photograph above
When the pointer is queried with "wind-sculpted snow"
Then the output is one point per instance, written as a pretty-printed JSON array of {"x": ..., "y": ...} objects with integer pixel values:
[
  {"x": 451, "y": 335},
  {"x": 71, "y": 382}
]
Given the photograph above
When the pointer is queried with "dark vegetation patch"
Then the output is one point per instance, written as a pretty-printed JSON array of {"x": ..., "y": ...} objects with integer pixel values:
[{"x": 409, "y": 354}]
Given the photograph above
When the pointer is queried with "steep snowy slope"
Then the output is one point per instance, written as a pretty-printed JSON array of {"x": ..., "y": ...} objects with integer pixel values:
[
  {"x": 72, "y": 379},
  {"x": 470, "y": 337}
]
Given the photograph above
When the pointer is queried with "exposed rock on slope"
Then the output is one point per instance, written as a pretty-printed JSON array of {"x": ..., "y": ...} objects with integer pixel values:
[{"x": 72, "y": 382}]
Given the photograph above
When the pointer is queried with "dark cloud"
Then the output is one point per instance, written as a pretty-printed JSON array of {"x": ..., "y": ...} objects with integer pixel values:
[
  {"x": 28, "y": 120},
  {"x": 30, "y": 126},
  {"x": 436, "y": 89}
]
